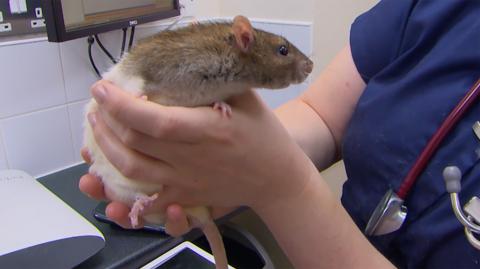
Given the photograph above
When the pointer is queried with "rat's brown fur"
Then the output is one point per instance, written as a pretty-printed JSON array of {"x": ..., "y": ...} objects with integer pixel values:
[{"x": 202, "y": 63}]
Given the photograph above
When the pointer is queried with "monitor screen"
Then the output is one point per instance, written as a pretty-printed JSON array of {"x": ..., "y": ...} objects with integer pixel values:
[{"x": 70, "y": 19}]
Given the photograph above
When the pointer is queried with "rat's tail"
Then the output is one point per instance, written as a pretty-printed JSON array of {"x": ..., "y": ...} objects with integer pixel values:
[
  {"x": 200, "y": 217},
  {"x": 215, "y": 241}
]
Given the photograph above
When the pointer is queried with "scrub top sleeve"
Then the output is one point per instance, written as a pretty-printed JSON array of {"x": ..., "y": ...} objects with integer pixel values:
[{"x": 376, "y": 36}]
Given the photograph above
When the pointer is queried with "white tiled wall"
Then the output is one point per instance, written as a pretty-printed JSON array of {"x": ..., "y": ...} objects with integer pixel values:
[
  {"x": 77, "y": 70},
  {"x": 31, "y": 78},
  {"x": 39, "y": 141},
  {"x": 45, "y": 86},
  {"x": 3, "y": 158}
]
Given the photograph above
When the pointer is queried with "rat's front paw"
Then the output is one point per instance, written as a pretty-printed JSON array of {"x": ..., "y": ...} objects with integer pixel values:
[
  {"x": 224, "y": 108},
  {"x": 141, "y": 203}
]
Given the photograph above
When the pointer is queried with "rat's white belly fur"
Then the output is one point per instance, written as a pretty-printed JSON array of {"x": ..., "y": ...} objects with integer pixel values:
[{"x": 117, "y": 186}]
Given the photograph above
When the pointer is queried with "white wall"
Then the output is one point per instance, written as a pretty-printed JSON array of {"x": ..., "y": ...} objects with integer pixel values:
[
  {"x": 44, "y": 87},
  {"x": 207, "y": 8}
]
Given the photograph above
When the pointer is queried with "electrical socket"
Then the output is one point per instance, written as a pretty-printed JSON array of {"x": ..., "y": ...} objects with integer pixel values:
[
  {"x": 37, "y": 23},
  {"x": 5, "y": 27},
  {"x": 38, "y": 12},
  {"x": 188, "y": 7}
]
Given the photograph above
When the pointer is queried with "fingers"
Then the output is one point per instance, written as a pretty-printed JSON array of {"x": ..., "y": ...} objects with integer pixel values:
[
  {"x": 86, "y": 155},
  {"x": 118, "y": 212},
  {"x": 92, "y": 186},
  {"x": 177, "y": 223},
  {"x": 129, "y": 162},
  {"x": 155, "y": 148},
  {"x": 171, "y": 123}
]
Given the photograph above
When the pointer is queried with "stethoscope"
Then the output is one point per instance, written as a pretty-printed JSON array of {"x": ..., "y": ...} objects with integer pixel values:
[{"x": 390, "y": 213}]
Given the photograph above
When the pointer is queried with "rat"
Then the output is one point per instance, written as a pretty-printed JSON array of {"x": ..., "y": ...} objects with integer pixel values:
[{"x": 202, "y": 64}]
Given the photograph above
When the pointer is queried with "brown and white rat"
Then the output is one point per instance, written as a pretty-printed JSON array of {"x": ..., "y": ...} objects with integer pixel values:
[{"x": 198, "y": 65}]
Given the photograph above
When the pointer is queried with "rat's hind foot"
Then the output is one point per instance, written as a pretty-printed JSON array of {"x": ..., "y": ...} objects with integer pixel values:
[
  {"x": 224, "y": 108},
  {"x": 141, "y": 203}
]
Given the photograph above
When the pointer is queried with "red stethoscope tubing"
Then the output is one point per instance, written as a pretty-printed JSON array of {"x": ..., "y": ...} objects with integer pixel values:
[{"x": 437, "y": 138}]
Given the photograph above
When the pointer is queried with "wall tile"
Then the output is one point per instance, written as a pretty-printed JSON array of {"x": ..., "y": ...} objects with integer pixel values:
[
  {"x": 112, "y": 41},
  {"x": 301, "y": 36},
  {"x": 77, "y": 70},
  {"x": 3, "y": 159},
  {"x": 76, "y": 112},
  {"x": 149, "y": 29},
  {"x": 31, "y": 78},
  {"x": 39, "y": 142},
  {"x": 268, "y": 26}
]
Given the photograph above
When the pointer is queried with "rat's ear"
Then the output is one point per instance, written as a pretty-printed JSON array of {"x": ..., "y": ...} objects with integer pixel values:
[{"x": 243, "y": 31}]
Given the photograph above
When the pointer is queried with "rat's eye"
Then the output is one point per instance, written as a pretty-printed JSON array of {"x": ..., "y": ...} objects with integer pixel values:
[{"x": 283, "y": 50}]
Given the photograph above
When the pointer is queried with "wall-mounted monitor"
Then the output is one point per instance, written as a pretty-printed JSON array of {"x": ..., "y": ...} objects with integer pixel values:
[{"x": 71, "y": 19}]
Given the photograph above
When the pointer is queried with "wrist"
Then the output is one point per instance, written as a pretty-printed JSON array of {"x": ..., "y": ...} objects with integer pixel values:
[{"x": 287, "y": 185}]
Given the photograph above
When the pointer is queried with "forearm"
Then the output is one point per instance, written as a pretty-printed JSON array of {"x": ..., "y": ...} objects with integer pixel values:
[
  {"x": 318, "y": 118},
  {"x": 310, "y": 133},
  {"x": 315, "y": 231}
]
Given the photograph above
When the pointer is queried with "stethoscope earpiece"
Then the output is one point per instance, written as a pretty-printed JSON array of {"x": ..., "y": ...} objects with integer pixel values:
[{"x": 452, "y": 177}]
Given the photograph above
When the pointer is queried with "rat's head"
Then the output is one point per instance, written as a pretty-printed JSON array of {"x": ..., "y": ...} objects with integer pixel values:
[{"x": 277, "y": 62}]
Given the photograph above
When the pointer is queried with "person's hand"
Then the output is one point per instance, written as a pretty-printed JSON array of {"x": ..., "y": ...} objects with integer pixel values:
[
  {"x": 176, "y": 224},
  {"x": 176, "y": 220},
  {"x": 200, "y": 156}
]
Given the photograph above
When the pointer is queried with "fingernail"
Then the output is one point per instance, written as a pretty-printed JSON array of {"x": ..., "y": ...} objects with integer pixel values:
[
  {"x": 92, "y": 118},
  {"x": 99, "y": 92}
]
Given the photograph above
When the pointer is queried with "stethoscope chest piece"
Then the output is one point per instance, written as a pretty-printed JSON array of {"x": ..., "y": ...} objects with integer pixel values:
[{"x": 388, "y": 216}]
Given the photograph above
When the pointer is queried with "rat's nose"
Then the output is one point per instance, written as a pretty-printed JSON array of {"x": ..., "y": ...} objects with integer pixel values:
[{"x": 307, "y": 66}]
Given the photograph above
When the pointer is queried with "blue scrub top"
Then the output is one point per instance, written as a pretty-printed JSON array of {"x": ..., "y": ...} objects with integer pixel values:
[{"x": 418, "y": 58}]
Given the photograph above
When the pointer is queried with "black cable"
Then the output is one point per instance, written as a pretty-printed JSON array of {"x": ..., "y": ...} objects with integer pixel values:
[
  {"x": 90, "y": 41},
  {"x": 132, "y": 34},
  {"x": 105, "y": 50},
  {"x": 124, "y": 40}
]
